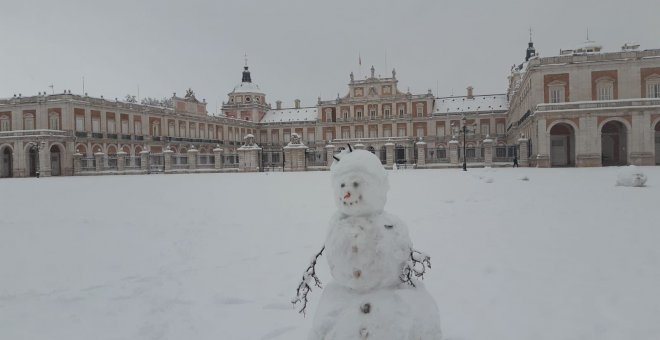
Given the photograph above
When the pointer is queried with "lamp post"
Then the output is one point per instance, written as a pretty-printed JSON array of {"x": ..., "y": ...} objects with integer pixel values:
[
  {"x": 464, "y": 129},
  {"x": 37, "y": 146}
]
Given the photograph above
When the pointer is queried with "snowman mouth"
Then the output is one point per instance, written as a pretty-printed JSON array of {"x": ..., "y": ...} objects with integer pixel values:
[{"x": 354, "y": 202}]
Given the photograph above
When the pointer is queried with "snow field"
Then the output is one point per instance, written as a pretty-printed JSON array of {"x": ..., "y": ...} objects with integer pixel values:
[{"x": 566, "y": 254}]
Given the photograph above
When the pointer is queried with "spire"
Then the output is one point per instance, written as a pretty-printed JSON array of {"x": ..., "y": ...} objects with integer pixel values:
[
  {"x": 531, "y": 51},
  {"x": 246, "y": 72}
]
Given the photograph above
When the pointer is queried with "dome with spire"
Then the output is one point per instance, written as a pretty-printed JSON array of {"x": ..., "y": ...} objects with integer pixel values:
[{"x": 246, "y": 85}]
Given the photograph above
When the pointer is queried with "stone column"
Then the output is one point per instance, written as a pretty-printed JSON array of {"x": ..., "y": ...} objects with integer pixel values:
[
  {"x": 99, "y": 157},
  {"x": 167, "y": 159},
  {"x": 121, "y": 160},
  {"x": 77, "y": 166},
  {"x": 389, "y": 154},
  {"x": 44, "y": 161},
  {"x": 144, "y": 160},
  {"x": 453, "y": 151},
  {"x": 192, "y": 159},
  {"x": 488, "y": 151},
  {"x": 330, "y": 151},
  {"x": 523, "y": 160},
  {"x": 421, "y": 154},
  {"x": 217, "y": 154}
]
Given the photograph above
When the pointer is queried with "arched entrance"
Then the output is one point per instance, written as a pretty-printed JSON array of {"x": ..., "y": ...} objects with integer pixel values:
[
  {"x": 562, "y": 145},
  {"x": 657, "y": 143},
  {"x": 55, "y": 161},
  {"x": 6, "y": 162},
  {"x": 613, "y": 144}
]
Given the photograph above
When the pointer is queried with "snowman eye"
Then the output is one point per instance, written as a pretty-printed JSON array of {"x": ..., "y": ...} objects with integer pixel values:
[
  {"x": 355, "y": 184},
  {"x": 343, "y": 185}
]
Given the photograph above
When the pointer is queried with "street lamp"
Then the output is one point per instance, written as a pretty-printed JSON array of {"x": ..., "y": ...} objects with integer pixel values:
[
  {"x": 464, "y": 129},
  {"x": 37, "y": 146}
]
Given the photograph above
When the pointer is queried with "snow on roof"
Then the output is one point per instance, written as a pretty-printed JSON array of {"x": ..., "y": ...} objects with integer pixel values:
[
  {"x": 246, "y": 87},
  {"x": 305, "y": 114},
  {"x": 486, "y": 103}
]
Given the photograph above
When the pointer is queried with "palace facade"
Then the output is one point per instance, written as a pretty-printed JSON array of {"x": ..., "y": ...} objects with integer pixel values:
[{"x": 583, "y": 107}]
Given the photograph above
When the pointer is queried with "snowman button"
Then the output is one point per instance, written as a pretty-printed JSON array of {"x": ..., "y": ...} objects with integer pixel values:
[
  {"x": 366, "y": 308},
  {"x": 355, "y": 249},
  {"x": 389, "y": 226},
  {"x": 357, "y": 274},
  {"x": 364, "y": 333}
]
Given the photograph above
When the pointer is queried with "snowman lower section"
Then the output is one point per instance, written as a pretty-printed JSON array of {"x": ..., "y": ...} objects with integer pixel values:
[{"x": 403, "y": 312}]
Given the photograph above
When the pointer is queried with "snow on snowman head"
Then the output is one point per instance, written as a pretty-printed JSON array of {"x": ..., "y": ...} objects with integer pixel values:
[{"x": 359, "y": 183}]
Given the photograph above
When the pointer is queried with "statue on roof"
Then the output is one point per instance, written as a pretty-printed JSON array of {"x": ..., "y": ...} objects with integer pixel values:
[
  {"x": 373, "y": 70},
  {"x": 393, "y": 73},
  {"x": 352, "y": 77},
  {"x": 190, "y": 95}
]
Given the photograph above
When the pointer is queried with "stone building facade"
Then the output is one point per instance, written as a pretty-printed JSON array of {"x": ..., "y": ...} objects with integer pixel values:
[
  {"x": 581, "y": 108},
  {"x": 586, "y": 107}
]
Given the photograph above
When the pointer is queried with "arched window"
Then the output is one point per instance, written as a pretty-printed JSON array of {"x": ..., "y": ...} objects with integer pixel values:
[
  {"x": 605, "y": 89},
  {"x": 5, "y": 123},
  {"x": 54, "y": 121},
  {"x": 653, "y": 87},
  {"x": 28, "y": 122}
]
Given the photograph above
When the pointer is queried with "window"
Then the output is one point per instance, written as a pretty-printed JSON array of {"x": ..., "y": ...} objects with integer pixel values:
[
  {"x": 247, "y": 99},
  {"x": 124, "y": 126},
  {"x": 653, "y": 87},
  {"x": 605, "y": 89},
  {"x": 402, "y": 111},
  {"x": 485, "y": 129},
  {"x": 500, "y": 128},
  {"x": 358, "y": 115},
  {"x": 373, "y": 133},
  {"x": 287, "y": 137},
  {"x": 401, "y": 132},
  {"x": 212, "y": 134},
  {"x": 192, "y": 131},
  {"x": 345, "y": 133},
  {"x": 137, "y": 127},
  {"x": 28, "y": 122},
  {"x": 387, "y": 112},
  {"x": 359, "y": 133},
  {"x": 54, "y": 121},
  {"x": 387, "y": 132},
  {"x": 440, "y": 130},
  {"x": 420, "y": 132},
  {"x": 556, "y": 93},
  {"x": 420, "y": 110},
  {"x": 344, "y": 114},
  {"x": 328, "y": 136},
  {"x": 155, "y": 129},
  {"x": 5, "y": 123},
  {"x": 96, "y": 125},
  {"x": 201, "y": 133},
  {"x": 328, "y": 115},
  {"x": 310, "y": 136},
  {"x": 80, "y": 123},
  {"x": 372, "y": 113},
  {"x": 111, "y": 126},
  {"x": 170, "y": 131}
]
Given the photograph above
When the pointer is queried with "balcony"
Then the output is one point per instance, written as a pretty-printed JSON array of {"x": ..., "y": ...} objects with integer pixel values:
[
  {"x": 97, "y": 135},
  {"x": 81, "y": 134},
  {"x": 112, "y": 136}
]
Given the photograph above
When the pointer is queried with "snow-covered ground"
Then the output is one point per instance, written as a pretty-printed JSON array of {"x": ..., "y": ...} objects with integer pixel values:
[{"x": 564, "y": 255}]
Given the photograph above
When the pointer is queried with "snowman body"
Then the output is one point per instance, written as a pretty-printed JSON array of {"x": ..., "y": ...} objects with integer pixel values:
[{"x": 367, "y": 250}]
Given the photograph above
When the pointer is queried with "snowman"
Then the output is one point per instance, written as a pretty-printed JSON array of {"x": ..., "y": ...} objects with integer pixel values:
[{"x": 375, "y": 293}]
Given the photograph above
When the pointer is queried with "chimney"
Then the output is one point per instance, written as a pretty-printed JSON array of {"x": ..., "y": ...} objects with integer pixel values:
[
  {"x": 278, "y": 104},
  {"x": 297, "y": 103},
  {"x": 470, "y": 95}
]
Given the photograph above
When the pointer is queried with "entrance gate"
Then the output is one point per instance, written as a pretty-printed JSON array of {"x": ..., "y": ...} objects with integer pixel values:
[{"x": 272, "y": 160}]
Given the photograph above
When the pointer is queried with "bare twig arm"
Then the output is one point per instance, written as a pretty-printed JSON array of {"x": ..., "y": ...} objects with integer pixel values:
[
  {"x": 416, "y": 265},
  {"x": 304, "y": 287}
]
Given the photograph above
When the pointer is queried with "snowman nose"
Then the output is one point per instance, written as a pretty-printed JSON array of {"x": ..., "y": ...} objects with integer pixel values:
[{"x": 347, "y": 195}]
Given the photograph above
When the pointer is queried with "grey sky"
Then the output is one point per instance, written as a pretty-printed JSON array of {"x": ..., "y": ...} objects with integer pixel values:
[{"x": 296, "y": 48}]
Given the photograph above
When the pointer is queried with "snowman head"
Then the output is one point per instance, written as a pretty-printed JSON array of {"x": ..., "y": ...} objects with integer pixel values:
[{"x": 359, "y": 183}]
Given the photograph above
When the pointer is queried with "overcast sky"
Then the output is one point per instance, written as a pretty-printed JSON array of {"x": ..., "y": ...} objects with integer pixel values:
[{"x": 296, "y": 48}]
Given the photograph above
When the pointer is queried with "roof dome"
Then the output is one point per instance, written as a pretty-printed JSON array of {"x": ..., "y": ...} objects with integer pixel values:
[{"x": 246, "y": 84}]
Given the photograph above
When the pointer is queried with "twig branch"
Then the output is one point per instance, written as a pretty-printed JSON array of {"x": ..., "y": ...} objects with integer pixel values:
[
  {"x": 304, "y": 287},
  {"x": 416, "y": 265}
]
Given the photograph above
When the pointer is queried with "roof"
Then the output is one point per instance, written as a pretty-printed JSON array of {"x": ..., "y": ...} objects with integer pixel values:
[
  {"x": 477, "y": 104},
  {"x": 246, "y": 87},
  {"x": 305, "y": 114}
]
